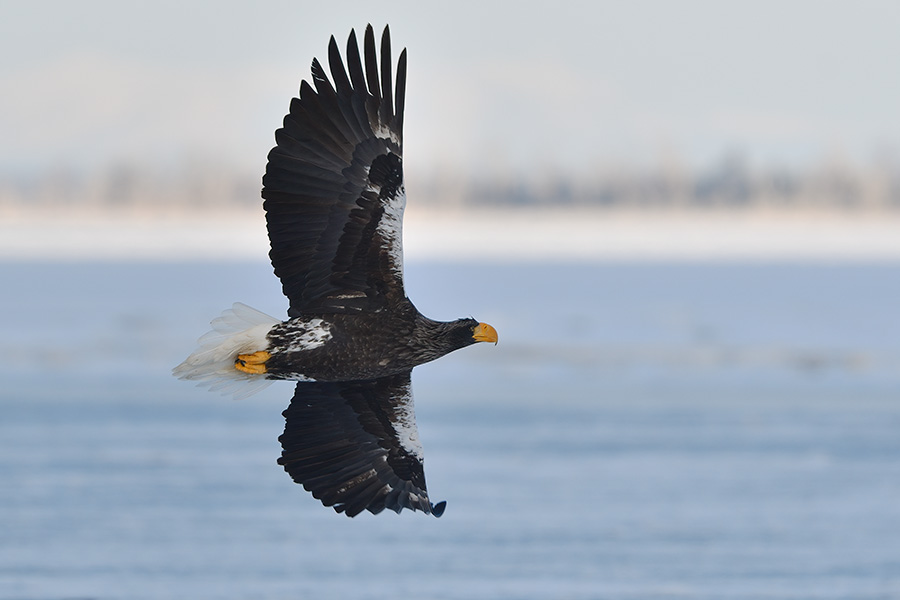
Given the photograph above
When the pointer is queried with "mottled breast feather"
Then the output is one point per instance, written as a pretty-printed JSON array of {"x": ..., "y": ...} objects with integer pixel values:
[{"x": 333, "y": 188}]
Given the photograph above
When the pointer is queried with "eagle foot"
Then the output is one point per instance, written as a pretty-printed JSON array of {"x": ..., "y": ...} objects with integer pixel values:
[{"x": 254, "y": 364}]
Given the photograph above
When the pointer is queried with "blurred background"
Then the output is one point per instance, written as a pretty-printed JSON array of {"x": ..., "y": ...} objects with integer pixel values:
[{"x": 682, "y": 218}]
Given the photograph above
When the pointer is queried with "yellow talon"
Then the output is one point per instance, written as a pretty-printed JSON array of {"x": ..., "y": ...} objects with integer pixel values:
[{"x": 252, "y": 363}]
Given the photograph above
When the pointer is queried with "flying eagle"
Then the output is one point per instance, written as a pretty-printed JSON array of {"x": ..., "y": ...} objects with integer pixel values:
[{"x": 334, "y": 200}]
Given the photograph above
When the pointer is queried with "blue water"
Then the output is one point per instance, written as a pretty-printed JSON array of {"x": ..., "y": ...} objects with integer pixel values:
[{"x": 641, "y": 431}]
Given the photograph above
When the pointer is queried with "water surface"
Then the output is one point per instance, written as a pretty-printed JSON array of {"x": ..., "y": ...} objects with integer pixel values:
[{"x": 641, "y": 431}]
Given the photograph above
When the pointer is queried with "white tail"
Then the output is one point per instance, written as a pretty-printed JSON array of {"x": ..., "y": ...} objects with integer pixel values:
[{"x": 239, "y": 330}]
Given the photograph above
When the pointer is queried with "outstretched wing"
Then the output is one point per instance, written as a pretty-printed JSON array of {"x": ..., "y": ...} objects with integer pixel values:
[
  {"x": 333, "y": 187},
  {"x": 354, "y": 445}
]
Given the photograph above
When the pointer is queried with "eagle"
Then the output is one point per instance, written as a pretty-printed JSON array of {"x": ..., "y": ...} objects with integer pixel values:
[{"x": 334, "y": 199}]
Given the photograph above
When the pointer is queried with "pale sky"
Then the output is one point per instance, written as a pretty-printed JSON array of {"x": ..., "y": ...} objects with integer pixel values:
[{"x": 507, "y": 86}]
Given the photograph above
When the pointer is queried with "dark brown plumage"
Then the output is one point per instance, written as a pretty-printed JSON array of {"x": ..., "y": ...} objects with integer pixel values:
[{"x": 334, "y": 200}]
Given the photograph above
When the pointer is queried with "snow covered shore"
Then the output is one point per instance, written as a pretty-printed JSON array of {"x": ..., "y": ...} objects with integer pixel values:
[{"x": 509, "y": 235}]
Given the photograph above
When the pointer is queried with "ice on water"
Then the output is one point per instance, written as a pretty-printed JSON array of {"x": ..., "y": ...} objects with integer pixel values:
[{"x": 642, "y": 431}]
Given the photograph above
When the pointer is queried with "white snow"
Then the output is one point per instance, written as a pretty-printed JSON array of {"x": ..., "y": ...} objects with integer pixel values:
[{"x": 500, "y": 235}]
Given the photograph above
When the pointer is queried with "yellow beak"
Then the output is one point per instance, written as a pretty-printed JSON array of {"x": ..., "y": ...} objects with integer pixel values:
[{"x": 484, "y": 333}]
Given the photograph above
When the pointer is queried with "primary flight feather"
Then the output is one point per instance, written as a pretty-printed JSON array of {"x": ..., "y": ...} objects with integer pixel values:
[{"x": 334, "y": 201}]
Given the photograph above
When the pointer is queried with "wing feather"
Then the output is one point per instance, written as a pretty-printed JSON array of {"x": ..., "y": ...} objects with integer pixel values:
[
  {"x": 333, "y": 187},
  {"x": 354, "y": 64},
  {"x": 400, "y": 94},
  {"x": 354, "y": 445},
  {"x": 387, "y": 101},
  {"x": 372, "y": 65}
]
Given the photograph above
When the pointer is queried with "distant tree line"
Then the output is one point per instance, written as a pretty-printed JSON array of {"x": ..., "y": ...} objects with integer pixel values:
[
  {"x": 731, "y": 183},
  {"x": 131, "y": 186}
]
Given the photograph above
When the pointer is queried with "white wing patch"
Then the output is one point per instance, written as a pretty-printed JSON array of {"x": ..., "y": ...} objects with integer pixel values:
[
  {"x": 390, "y": 227},
  {"x": 384, "y": 132},
  {"x": 300, "y": 334},
  {"x": 306, "y": 335},
  {"x": 405, "y": 426}
]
